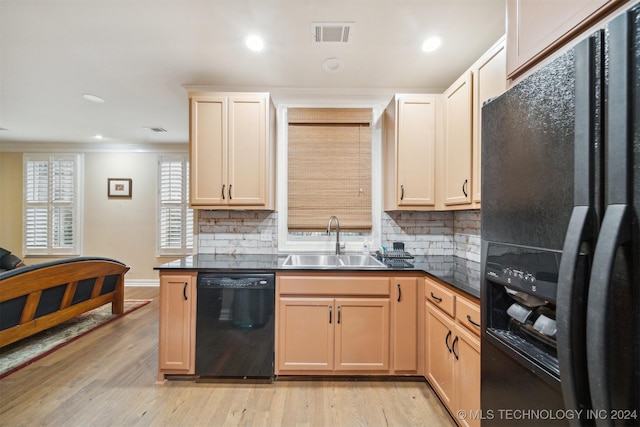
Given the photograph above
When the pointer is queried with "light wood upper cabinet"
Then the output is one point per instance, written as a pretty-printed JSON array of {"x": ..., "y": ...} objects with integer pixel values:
[
  {"x": 231, "y": 151},
  {"x": 176, "y": 347},
  {"x": 489, "y": 80},
  {"x": 410, "y": 129},
  {"x": 458, "y": 139},
  {"x": 535, "y": 28},
  {"x": 485, "y": 79}
]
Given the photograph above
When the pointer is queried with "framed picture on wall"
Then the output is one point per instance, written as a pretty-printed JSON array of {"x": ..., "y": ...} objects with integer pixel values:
[{"x": 119, "y": 187}]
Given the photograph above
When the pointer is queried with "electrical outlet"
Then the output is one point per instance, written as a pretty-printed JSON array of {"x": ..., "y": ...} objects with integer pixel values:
[{"x": 265, "y": 235}]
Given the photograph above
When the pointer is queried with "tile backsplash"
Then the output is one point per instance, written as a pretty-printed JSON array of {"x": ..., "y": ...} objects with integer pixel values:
[
  {"x": 424, "y": 233},
  {"x": 237, "y": 232}
]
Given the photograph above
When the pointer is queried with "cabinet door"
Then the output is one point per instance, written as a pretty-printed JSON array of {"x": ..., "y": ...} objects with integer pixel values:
[
  {"x": 362, "y": 334},
  {"x": 416, "y": 144},
  {"x": 177, "y": 317},
  {"x": 440, "y": 368},
  {"x": 467, "y": 373},
  {"x": 457, "y": 175},
  {"x": 247, "y": 178},
  {"x": 405, "y": 324},
  {"x": 305, "y": 339},
  {"x": 489, "y": 80},
  {"x": 535, "y": 25},
  {"x": 208, "y": 150}
]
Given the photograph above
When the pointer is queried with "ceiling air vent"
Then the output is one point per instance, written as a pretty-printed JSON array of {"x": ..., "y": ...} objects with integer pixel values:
[{"x": 332, "y": 32}]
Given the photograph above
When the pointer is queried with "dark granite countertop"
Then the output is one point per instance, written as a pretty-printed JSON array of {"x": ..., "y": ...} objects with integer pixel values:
[{"x": 461, "y": 273}]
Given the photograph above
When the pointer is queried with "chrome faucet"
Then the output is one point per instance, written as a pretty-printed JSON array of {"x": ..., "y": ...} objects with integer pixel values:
[{"x": 331, "y": 218}]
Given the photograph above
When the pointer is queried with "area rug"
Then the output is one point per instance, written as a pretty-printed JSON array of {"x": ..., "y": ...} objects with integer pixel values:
[{"x": 26, "y": 351}]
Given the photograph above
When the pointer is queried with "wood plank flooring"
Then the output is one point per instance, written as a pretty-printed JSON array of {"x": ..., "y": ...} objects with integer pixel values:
[{"x": 108, "y": 378}]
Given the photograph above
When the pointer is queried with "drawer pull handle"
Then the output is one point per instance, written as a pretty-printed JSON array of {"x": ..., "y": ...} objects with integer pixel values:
[
  {"x": 402, "y": 192},
  {"x": 399, "y": 292},
  {"x": 339, "y": 315},
  {"x": 230, "y": 197},
  {"x": 453, "y": 348},
  {"x": 184, "y": 291},
  {"x": 472, "y": 322},
  {"x": 435, "y": 297},
  {"x": 223, "y": 185},
  {"x": 446, "y": 341},
  {"x": 464, "y": 188},
  {"x": 330, "y": 313}
]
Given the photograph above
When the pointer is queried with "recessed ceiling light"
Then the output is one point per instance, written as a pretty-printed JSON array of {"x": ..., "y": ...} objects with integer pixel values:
[
  {"x": 97, "y": 136},
  {"x": 93, "y": 98},
  {"x": 332, "y": 65},
  {"x": 255, "y": 43},
  {"x": 431, "y": 44}
]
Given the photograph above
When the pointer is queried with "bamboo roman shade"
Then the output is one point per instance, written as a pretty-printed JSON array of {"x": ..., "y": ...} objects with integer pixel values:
[{"x": 329, "y": 168}]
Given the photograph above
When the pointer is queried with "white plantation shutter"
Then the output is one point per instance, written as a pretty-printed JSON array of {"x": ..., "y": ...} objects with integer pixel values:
[
  {"x": 175, "y": 234},
  {"x": 52, "y": 218}
]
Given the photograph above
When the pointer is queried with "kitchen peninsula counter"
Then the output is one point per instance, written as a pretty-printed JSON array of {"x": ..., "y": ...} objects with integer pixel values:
[{"x": 462, "y": 274}]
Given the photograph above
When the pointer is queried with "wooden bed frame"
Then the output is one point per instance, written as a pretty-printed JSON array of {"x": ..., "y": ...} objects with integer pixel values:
[{"x": 37, "y": 297}]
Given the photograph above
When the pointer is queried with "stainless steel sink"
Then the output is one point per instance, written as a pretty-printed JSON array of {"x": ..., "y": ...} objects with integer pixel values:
[
  {"x": 332, "y": 261},
  {"x": 360, "y": 261}
]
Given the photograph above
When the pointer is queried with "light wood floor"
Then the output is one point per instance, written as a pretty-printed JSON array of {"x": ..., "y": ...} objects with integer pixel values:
[{"x": 108, "y": 378}]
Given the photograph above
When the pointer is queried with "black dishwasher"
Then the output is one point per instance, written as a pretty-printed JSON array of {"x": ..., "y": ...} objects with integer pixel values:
[{"x": 235, "y": 325}]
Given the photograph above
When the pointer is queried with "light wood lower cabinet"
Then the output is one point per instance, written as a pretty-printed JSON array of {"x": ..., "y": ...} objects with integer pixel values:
[
  {"x": 332, "y": 325},
  {"x": 362, "y": 334},
  {"x": 306, "y": 334},
  {"x": 176, "y": 346},
  {"x": 405, "y": 324},
  {"x": 452, "y": 350}
]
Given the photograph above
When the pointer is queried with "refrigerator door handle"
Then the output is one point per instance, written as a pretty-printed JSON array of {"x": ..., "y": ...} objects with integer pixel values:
[
  {"x": 615, "y": 231},
  {"x": 571, "y": 296},
  {"x": 572, "y": 287}
]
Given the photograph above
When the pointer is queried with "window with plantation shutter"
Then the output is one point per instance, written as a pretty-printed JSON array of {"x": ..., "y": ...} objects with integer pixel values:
[
  {"x": 52, "y": 201},
  {"x": 329, "y": 168},
  {"x": 175, "y": 232}
]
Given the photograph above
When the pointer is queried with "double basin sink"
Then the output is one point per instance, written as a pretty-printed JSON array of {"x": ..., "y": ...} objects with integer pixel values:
[{"x": 342, "y": 261}]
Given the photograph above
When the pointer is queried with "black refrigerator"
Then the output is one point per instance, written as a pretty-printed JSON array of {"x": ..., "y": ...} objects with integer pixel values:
[{"x": 561, "y": 239}]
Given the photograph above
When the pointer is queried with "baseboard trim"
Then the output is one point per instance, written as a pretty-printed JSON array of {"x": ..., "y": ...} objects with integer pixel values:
[{"x": 142, "y": 282}]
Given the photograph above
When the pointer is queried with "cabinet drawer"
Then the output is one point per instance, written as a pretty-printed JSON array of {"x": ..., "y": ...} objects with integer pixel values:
[
  {"x": 468, "y": 314},
  {"x": 440, "y": 296},
  {"x": 333, "y": 285}
]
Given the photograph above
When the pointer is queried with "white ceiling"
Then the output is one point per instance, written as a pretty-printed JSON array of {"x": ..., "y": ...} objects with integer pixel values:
[{"x": 140, "y": 54}]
